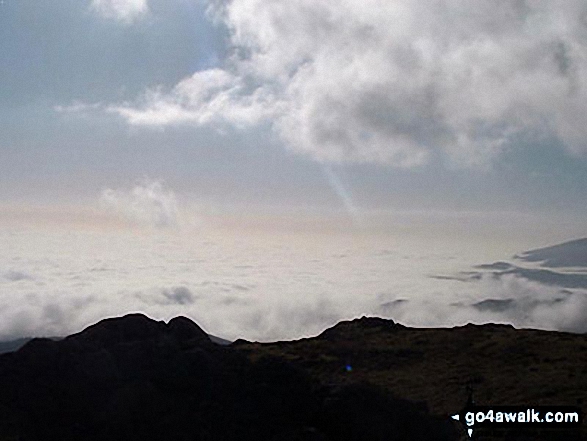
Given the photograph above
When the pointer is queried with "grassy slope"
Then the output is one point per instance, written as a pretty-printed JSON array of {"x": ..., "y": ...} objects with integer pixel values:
[{"x": 505, "y": 366}]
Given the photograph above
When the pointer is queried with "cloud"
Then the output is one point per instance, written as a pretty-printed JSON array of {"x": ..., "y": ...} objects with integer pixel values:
[
  {"x": 527, "y": 303},
  {"x": 499, "y": 266},
  {"x": 496, "y": 305},
  {"x": 236, "y": 285},
  {"x": 393, "y": 306},
  {"x": 148, "y": 203},
  {"x": 168, "y": 297},
  {"x": 529, "y": 296},
  {"x": 391, "y": 82},
  {"x": 52, "y": 315},
  {"x": 125, "y": 11},
  {"x": 507, "y": 299},
  {"x": 570, "y": 256},
  {"x": 208, "y": 97},
  {"x": 179, "y": 295},
  {"x": 16, "y": 276},
  {"x": 77, "y": 107},
  {"x": 278, "y": 318}
]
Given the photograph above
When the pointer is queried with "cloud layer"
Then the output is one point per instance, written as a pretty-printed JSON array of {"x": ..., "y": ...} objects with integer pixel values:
[
  {"x": 535, "y": 295},
  {"x": 237, "y": 284},
  {"x": 391, "y": 82}
]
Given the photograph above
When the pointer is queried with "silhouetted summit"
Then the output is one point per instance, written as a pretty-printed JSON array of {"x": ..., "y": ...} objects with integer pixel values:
[
  {"x": 186, "y": 330},
  {"x": 127, "y": 329},
  {"x": 133, "y": 378},
  {"x": 360, "y": 326}
]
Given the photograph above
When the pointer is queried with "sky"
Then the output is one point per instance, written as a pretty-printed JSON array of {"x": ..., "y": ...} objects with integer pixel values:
[{"x": 447, "y": 120}]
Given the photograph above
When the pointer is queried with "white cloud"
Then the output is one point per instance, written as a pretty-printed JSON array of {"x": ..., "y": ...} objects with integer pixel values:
[
  {"x": 148, "y": 203},
  {"x": 77, "y": 107},
  {"x": 125, "y": 11},
  {"x": 260, "y": 287},
  {"x": 536, "y": 305},
  {"x": 392, "y": 82},
  {"x": 515, "y": 300},
  {"x": 207, "y": 97}
]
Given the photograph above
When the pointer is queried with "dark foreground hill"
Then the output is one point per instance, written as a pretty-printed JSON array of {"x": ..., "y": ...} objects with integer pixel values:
[
  {"x": 134, "y": 378},
  {"x": 437, "y": 366}
]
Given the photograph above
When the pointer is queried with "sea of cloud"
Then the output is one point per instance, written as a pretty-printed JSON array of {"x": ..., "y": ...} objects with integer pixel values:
[{"x": 265, "y": 285}]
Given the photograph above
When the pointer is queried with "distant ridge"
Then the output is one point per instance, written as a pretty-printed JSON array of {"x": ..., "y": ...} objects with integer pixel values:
[
  {"x": 568, "y": 254},
  {"x": 365, "y": 324},
  {"x": 14, "y": 345}
]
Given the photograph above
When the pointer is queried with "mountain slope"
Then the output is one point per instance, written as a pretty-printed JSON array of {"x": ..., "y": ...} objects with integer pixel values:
[
  {"x": 436, "y": 366},
  {"x": 134, "y": 378}
]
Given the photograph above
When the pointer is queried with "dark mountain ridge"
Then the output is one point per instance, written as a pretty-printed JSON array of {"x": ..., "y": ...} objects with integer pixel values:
[
  {"x": 502, "y": 365},
  {"x": 568, "y": 254},
  {"x": 135, "y": 378}
]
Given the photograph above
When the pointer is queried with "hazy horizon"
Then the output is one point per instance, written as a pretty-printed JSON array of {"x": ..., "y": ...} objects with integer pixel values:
[{"x": 275, "y": 277}]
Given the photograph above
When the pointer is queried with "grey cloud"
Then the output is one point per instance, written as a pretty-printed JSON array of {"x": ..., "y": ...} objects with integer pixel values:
[
  {"x": 15, "y": 276},
  {"x": 385, "y": 253},
  {"x": 231, "y": 300},
  {"x": 53, "y": 313},
  {"x": 393, "y": 304},
  {"x": 494, "y": 305},
  {"x": 179, "y": 295},
  {"x": 500, "y": 266},
  {"x": 58, "y": 315}
]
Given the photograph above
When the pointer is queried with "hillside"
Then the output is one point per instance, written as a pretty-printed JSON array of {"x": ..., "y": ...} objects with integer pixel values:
[
  {"x": 435, "y": 366},
  {"x": 134, "y": 378}
]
